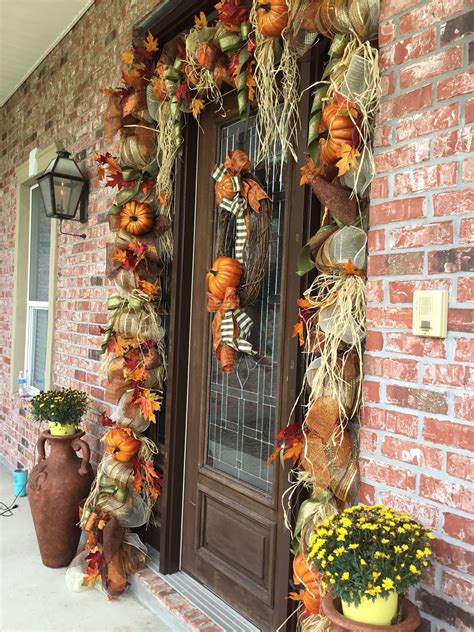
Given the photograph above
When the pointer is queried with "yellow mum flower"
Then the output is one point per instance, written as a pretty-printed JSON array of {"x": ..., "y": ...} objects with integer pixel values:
[
  {"x": 362, "y": 562},
  {"x": 354, "y": 546},
  {"x": 387, "y": 583},
  {"x": 375, "y": 575},
  {"x": 345, "y": 576},
  {"x": 413, "y": 569}
]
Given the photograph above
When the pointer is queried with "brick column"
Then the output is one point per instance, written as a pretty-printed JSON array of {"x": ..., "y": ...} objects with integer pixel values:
[{"x": 416, "y": 424}]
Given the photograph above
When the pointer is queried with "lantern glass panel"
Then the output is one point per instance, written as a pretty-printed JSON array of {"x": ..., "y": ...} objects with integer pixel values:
[
  {"x": 67, "y": 167},
  {"x": 46, "y": 194},
  {"x": 67, "y": 195}
]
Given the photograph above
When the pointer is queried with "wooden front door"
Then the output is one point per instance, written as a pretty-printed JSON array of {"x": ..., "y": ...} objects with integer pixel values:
[{"x": 234, "y": 540}]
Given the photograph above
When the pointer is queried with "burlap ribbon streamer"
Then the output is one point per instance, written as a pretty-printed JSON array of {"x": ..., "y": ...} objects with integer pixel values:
[{"x": 231, "y": 325}]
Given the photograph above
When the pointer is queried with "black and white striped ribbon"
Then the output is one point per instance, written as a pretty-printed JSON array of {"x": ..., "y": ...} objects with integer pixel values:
[
  {"x": 237, "y": 206},
  {"x": 244, "y": 323}
]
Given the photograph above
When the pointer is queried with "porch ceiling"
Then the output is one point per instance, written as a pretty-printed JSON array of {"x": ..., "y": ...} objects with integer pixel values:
[{"x": 29, "y": 30}]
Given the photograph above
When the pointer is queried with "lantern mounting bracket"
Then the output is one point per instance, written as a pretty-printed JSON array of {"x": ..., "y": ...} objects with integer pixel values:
[{"x": 63, "y": 232}]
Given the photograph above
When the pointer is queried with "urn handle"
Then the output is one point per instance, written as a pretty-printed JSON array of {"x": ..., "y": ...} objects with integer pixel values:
[
  {"x": 80, "y": 444},
  {"x": 40, "y": 445}
]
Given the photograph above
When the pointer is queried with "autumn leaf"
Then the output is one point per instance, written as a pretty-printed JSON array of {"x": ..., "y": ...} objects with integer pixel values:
[
  {"x": 308, "y": 172},
  {"x": 109, "y": 91},
  {"x": 149, "y": 403},
  {"x": 163, "y": 198},
  {"x": 153, "y": 480},
  {"x": 138, "y": 374},
  {"x": 150, "y": 43},
  {"x": 150, "y": 289},
  {"x": 251, "y": 85},
  {"x": 298, "y": 330},
  {"x": 137, "y": 248},
  {"x": 100, "y": 173},
  {"x": 200, "y": 20},
  {"x": 294, "y": 451},
  {"x": 350, "y": 269},
  {"x": 127, "y": 57},
  {"x": 299, "y": 596},
  {"x": 274, "y": 455},
  {"x": 197, "y": 106},
  {"x": 348, "y": 159},
  {"x": 118, "y": 344},
  {"x": 105, "y": 420},
  {"x": 120, "y": 256},
  {"x": 131, "y": 76},
  {"x": 304, "y": 303}
]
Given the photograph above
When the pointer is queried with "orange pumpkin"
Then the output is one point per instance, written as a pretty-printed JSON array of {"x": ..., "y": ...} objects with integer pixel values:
[
  {"x": 122, "y": 445},
  {"x": 337, "y": 128},
  {"x": 136, "y": 217},
  {"x": 225, "y": 272},
  {"x": 272, "y": 17},
  {"x": 224, "y": 189},
  {"x": 310, "y": 578}
]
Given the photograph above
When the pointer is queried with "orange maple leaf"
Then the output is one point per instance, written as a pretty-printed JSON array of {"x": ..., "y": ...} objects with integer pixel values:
[
  {"x": 274, "y": 455},
  {"x": 138, "y": 374},
  {"x": 100, "y": 173},
  {"x": 109, "y": 91},
  {"x": 150, "y": 43},
  {"x": 308, "y": 172},
  {"x": 299, "y": 596},
  {"x": 304, "y": 303},
  {"x": 348, "y": 159},
  {"x": 163, "y": 198},
  {"x": 251, "y": 85},
  {"x": 197, "y": 106},
  {"x": 149, "y": 403},
  {"x": 91, "y": 578},
  {"x": 120, "y": 256},
  {"x": 349, "y": 269},
  {"x": 200, "y": 20},
  {"x": 294, "y": 451},
  {"x": 118, "y": 344},
  {"x": 151, "y": 289},
  {"x": 130, "y": 76},
  {"x": 298, "y": 330},
  {"x": 127, "y": 57}
]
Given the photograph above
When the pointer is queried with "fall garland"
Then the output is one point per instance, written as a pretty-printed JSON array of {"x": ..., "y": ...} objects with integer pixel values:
[{"x": 331, "y": 321}]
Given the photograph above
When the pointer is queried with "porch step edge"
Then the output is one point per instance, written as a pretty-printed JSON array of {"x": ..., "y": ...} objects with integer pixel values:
[
  {"x": 188, "y": 601},
  {"x": 157, "y": 595}
]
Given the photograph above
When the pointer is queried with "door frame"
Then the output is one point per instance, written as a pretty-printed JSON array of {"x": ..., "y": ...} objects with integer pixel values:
[{"x": 302, "y": 210}]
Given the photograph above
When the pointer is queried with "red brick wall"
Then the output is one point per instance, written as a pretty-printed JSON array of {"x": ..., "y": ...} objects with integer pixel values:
[
  {"x": 417, "y": 427},
  {"x": 61, "y": 101}
]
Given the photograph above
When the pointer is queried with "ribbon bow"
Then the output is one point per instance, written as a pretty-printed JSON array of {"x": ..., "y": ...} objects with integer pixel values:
[
  {"x": 231, "y": 325},
  {"x": 237, "y": 206}
]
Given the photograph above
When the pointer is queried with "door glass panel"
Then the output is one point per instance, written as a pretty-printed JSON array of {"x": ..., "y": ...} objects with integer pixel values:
[
  {"x": 242, "y": 405},
  {"x": 39, "y": 334}
]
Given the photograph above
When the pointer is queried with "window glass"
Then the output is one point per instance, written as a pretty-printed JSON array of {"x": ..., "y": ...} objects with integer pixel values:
[{"x": 40, "y": 246}]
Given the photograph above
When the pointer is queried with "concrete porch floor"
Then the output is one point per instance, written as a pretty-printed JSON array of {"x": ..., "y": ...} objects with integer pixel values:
[{"x": 34, "y": 598}]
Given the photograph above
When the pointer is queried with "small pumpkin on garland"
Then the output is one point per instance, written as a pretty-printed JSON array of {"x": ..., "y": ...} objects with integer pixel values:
[
  {"x": 136, "y": 217},
  {"x": 338, "y": 127},
  {"x": 272, "y": 17},
  {"x": 225, "y": 272},
  {"x": 122, "y": 445},
  {"x": 310, "y": 579}
]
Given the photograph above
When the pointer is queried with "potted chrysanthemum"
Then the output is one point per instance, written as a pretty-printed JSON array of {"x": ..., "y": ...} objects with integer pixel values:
[
  {"x": 63, "y": 409},
  {"x": 368, "y": 556}
]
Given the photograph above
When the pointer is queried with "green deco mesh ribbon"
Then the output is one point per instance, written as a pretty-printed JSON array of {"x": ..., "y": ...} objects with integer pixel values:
[
  {"x": 230, "y": 42},
  {"x": 335, "y": 53},
  {"x": 173, "y": 78}
]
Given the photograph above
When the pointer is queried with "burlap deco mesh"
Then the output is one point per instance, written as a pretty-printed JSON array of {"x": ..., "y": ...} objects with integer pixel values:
[
  {"x": 348, "y": 244},
  {"x": 136, "y": 323},
  {"x": 120, "y": 474},
  {"x": 322, "y": 409},
  {"x": 138, "y": 145},
  {"x": 348, "y": 17},
  {"x": 128, "y": 415},
  {"x": 132, "y": 512}
]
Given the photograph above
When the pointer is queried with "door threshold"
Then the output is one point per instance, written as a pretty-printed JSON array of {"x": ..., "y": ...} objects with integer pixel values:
[{"x": 187, "y": 599}]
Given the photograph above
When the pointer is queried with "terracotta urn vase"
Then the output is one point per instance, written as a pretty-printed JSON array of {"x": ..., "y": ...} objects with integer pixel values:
[
  {"x": 332, "y": 609},
  {"x": 55, "y": 487}
]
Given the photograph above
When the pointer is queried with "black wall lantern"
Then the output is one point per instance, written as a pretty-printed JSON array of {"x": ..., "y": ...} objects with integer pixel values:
[{"x": 64, "y": 190}]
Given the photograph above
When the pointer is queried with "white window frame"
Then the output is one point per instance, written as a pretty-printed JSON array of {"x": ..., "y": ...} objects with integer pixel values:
[{"x": 31, "y": 307}]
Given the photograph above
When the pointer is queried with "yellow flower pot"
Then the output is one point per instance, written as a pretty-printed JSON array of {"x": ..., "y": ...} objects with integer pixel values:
[
  {"x": 380, "y": 611},
  {"x": 62, "y": 430}
]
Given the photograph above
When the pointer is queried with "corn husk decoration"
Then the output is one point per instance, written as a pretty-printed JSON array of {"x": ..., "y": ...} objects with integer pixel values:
[{"x": 280, "y": 39}]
